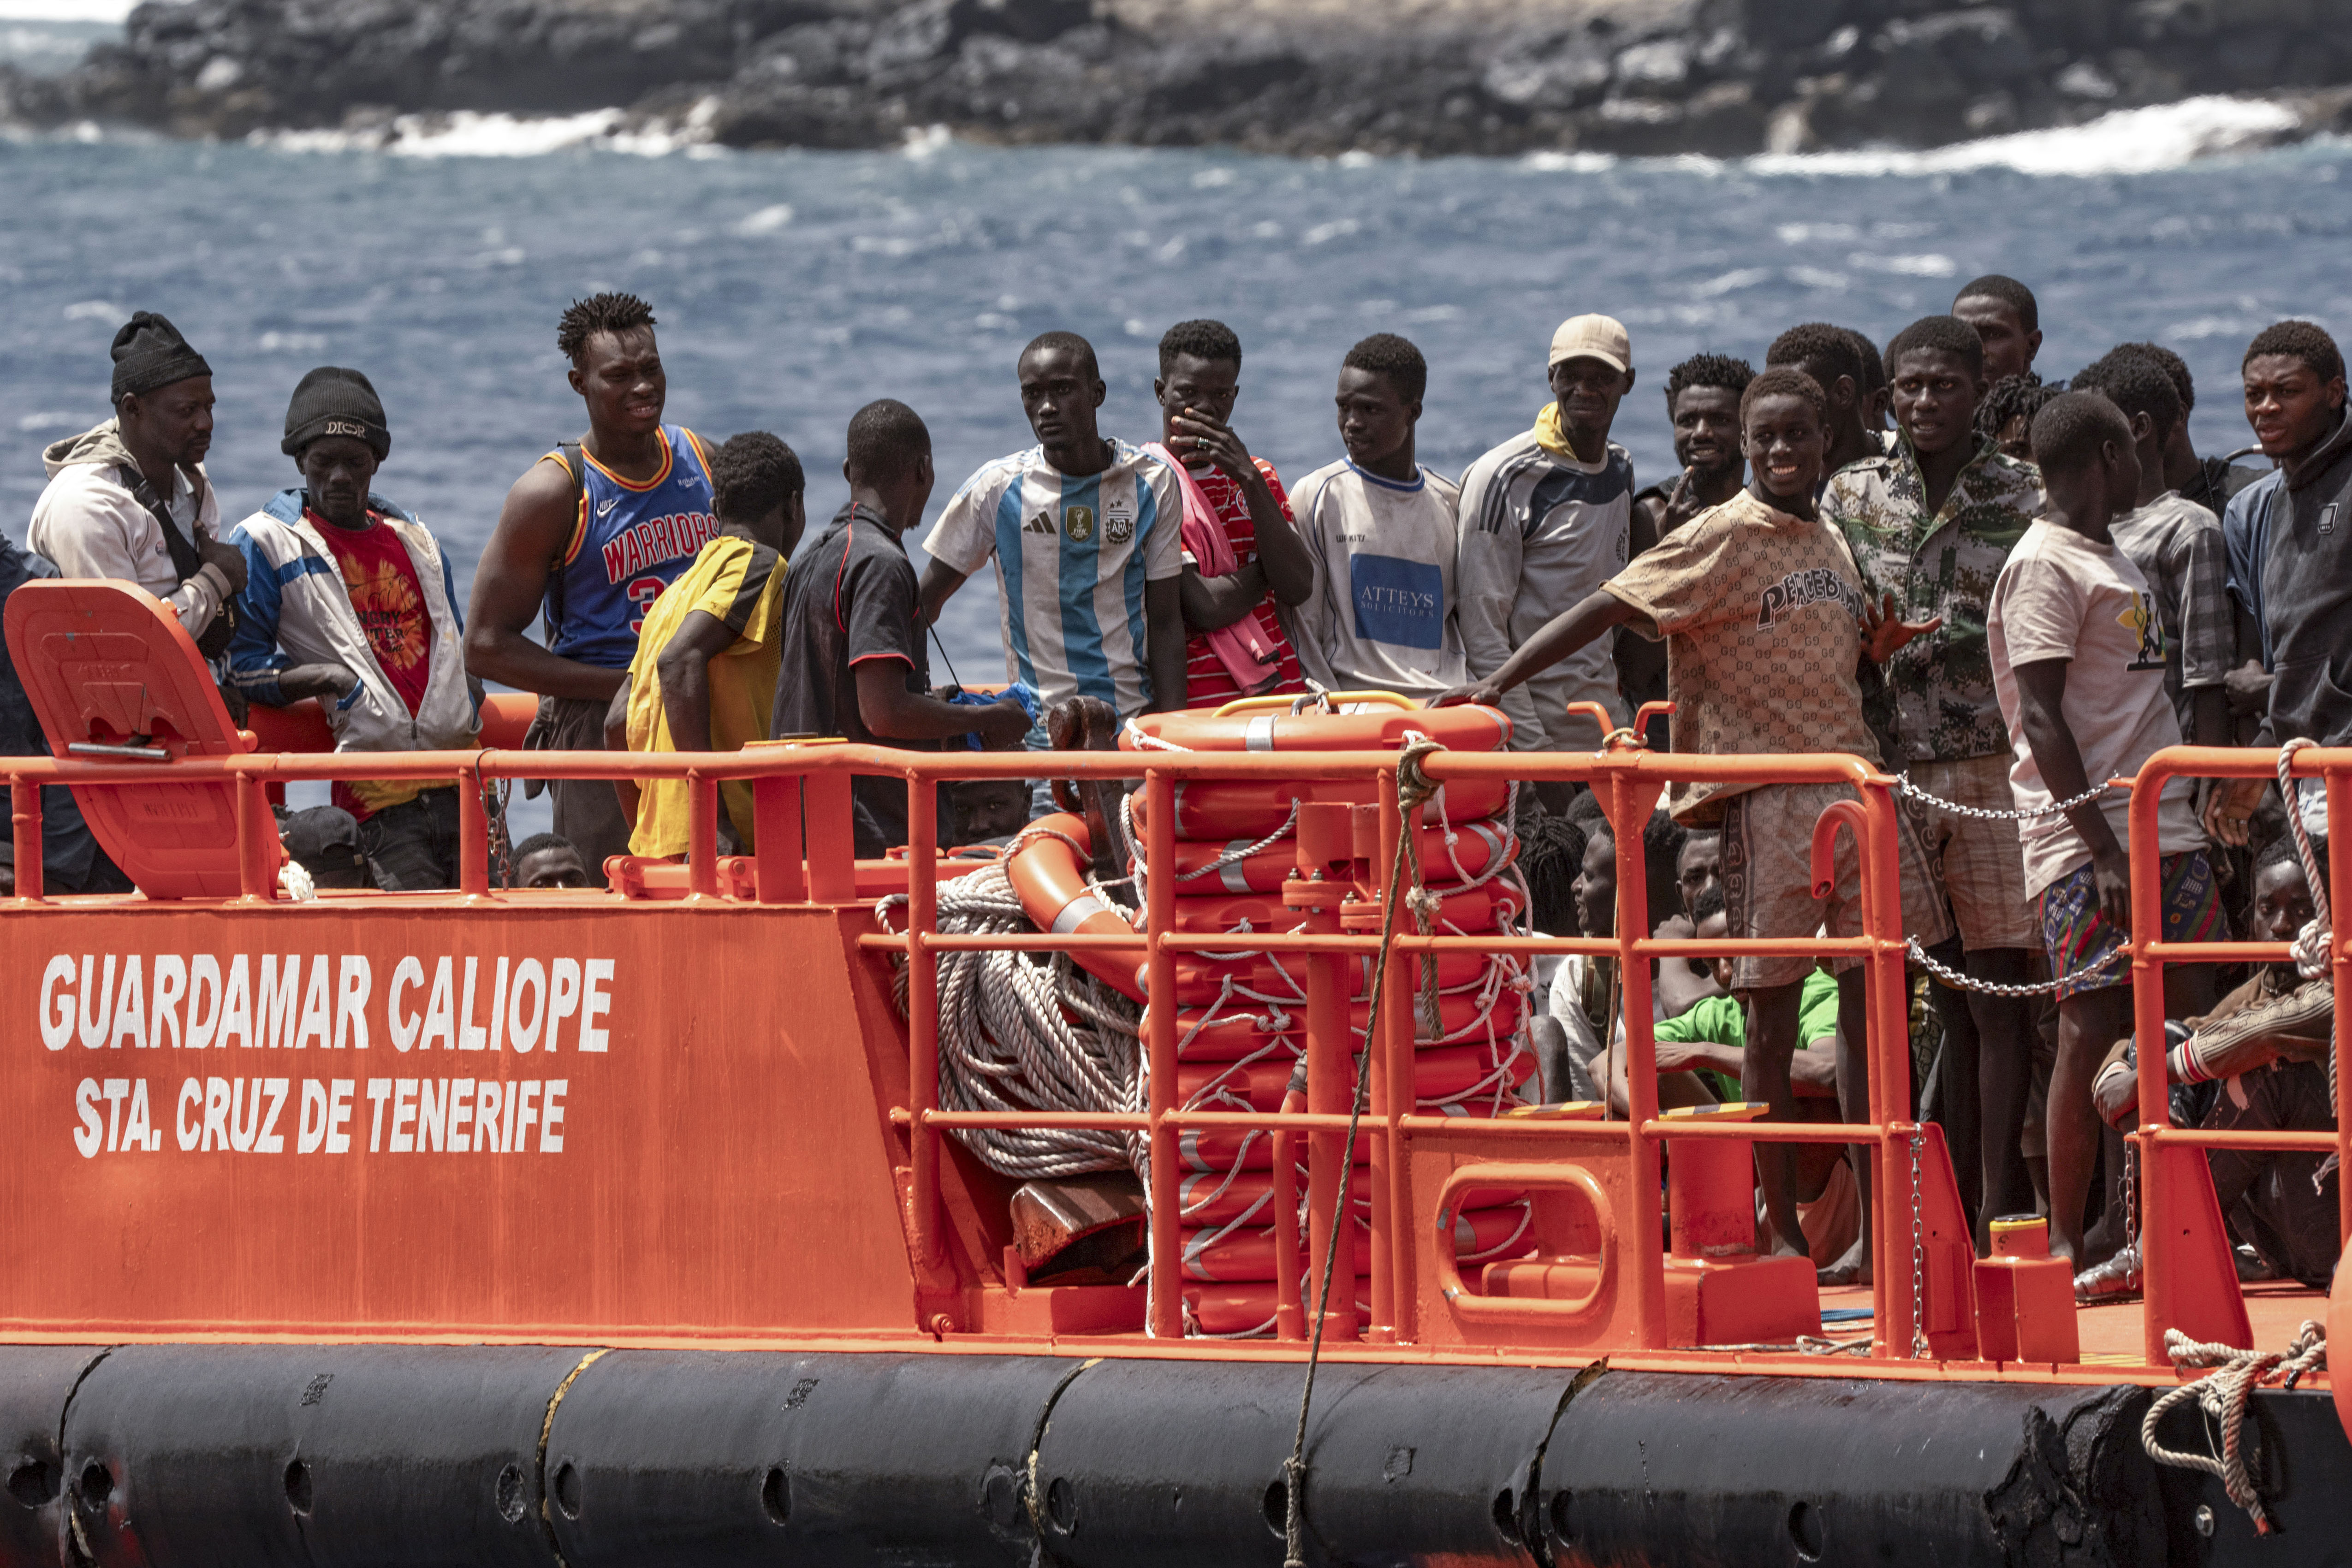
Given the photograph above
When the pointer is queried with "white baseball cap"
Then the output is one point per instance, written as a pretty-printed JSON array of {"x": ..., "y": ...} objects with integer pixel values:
[{"x": 1593, "y": 337}]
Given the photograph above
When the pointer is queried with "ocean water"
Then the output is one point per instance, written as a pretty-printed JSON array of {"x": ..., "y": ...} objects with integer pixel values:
[{"x": 793, "y": 287}]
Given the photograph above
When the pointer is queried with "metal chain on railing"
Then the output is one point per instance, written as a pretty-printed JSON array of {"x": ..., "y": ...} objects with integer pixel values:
[
  {"x": 1918, "y": 1250},
  {"x": 1903, "y": 786},
  {"x": 1966, "y": 982}
]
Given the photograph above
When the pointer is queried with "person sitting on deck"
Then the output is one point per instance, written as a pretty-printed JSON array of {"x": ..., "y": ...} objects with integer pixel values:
[
  {"x": 2260, "y": 1058},
  {"x": 1702, "y": 1053},
  {"x": 853, "y": 647},
  {"x": 2078, "y": 665},
  {"x": 547, "y": 860},
  {"x": 351, "y": 600},
  {"x": 1381, "y": 529},
  {"x": 1244, "y": 564},
  {"x": 1768, "y": 624},
  {"x": 704, "y": 677}
]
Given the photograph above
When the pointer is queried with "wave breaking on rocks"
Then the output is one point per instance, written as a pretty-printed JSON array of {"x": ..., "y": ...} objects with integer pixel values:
[{"x": 1820, "y": 81}]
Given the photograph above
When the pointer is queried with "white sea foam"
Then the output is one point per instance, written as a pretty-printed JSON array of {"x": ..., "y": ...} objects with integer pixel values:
[
  {"x": 2127, "y": 141},
  {"x": 465, "y": 134},
  {"x": 64, "y": 10}
]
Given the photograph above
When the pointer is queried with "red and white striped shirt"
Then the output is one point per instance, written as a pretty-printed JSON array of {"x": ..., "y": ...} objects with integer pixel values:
[{"x": 1207, "y": 682}]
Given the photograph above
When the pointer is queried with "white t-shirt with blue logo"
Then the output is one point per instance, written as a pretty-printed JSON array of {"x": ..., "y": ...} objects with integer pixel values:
[
  {"x": 1382, "y": 616},
  {"x": 1072, "y": 557}
]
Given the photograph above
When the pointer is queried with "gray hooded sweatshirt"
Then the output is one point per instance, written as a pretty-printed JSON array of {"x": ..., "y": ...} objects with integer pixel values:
[
  {"x": 89, "y": 524},
  {"x": 2308, "y": 599}
]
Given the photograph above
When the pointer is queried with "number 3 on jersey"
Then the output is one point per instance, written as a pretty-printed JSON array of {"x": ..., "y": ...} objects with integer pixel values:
[{"x": 642, "y": 592}]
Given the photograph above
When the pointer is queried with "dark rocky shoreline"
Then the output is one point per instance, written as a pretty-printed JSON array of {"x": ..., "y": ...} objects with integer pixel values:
[{"x": 1714, "y": 77}]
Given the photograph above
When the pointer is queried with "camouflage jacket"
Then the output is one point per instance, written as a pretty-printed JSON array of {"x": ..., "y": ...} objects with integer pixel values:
[{"x": 1940, "y": 563}]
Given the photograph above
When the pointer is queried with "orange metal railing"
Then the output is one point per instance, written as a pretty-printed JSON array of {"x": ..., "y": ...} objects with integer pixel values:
[
  {"x": 2171, "y": 1288},
  {"x": 793, "y": 783}
]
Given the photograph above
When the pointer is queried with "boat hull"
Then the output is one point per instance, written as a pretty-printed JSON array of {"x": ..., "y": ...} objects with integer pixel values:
[{"x": 311, "y": 1454}]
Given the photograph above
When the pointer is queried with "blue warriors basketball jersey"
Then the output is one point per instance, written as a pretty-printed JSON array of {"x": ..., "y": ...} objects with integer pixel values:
[{"x": 630, "y": 542}]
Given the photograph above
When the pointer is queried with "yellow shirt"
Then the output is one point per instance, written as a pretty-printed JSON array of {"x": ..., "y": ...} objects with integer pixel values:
[{"x": 742, "y": 584}]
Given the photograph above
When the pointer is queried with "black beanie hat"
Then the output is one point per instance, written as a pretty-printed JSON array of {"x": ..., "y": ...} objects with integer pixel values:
[
  {"x": 331, "y": 401},
  {"x": 149, "y": 352}
]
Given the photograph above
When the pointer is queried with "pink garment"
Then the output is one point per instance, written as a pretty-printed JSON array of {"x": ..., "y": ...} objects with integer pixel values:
[{"x": 1249, "y": 656}]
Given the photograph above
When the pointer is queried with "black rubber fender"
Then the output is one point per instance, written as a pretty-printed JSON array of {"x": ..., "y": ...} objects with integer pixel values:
[
  {"x": 37, "y": 1381},
  {"x": 712, "y": 1458},
  {"x": 1152, "y": 1464},
  {"x": 1708, "y": 1471},
  {"x": 312, "y": 1456}
]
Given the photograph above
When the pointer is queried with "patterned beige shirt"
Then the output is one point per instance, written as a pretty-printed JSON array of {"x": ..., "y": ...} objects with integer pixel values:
[{"x": 1761, "y": 611}]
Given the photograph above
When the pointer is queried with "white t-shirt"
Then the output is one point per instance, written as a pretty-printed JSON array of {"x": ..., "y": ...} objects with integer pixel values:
[
  {"x": 1380, "y": 616},
  {"x": 2063, "y": 596},
  {"x": 1072, "y": 557}
]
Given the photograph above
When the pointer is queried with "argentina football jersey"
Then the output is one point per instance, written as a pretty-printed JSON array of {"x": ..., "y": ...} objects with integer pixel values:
[{"x": 1073, "y": 555}]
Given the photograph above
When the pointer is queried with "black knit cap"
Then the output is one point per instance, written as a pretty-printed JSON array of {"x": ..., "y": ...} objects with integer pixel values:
[
  {"x": 332, "y": 401},
  {"x": 149, "y": 352}
]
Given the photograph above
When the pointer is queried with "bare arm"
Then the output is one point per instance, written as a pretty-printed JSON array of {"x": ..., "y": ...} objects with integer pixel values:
[
  {"x": 509, "y": 585},
  {"x": 1209, "y": 603},
  {"x": 1561, "y": 635},
  {"x": 616, "y": 739},
  {"x": 2041, "y": 696},
  {"x": 1288, "y": 572},
  {"x": 1163, "y": 636},
  {"x": 940, "y": 583},
  {"x": 895, "y": 713},
  {"x": 684, "y": 667}
]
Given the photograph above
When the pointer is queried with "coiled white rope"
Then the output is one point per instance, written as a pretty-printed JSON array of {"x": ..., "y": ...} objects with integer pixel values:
[
  {"x": 1028, "y": 1032},
  {"x": 2222, "y": 1395}
]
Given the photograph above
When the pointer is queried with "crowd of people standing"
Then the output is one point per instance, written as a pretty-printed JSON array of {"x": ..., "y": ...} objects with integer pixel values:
[{"x": 2017, "y": 592}]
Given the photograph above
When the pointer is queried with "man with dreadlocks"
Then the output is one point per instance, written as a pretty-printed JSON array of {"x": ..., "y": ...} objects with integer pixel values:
[
  {"x": 2005, "y": 418},
  {"x": 591, "y": 534}
]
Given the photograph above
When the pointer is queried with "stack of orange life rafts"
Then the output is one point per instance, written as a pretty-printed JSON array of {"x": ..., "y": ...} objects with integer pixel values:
[{"x": 1241, "y": 1017}]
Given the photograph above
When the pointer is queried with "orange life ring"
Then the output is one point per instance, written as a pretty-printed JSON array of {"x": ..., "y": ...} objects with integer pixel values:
[
  {"x": 1207, "y": 1198},
  {"x": 1438, "y": 1074},
  {"x": 1221, "y": 1150},
  {"x": 1217, "y": 1255},
  {"x": 1202, "y": 980},
  {"x": 1236, "y": 1310},
  {"x": 1236, "y": 1031},
  {"x": 1049, "y": 874},
  {"x": 1260, "y": 725},
  {"x": 1482, "y": 909},
  {"x": 1226, "y": 809},
  {"x": 1476, "y": 845}
]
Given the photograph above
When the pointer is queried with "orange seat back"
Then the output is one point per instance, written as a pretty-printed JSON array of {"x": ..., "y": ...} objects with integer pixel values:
[{"x": 108, "y": 664}]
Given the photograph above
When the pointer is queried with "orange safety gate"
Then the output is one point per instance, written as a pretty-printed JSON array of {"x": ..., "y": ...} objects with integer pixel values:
[{"x": 1414, "y": 1157}]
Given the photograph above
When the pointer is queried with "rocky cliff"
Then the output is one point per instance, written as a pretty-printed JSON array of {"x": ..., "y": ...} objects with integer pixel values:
[{"x": 1719, "y": 77}]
